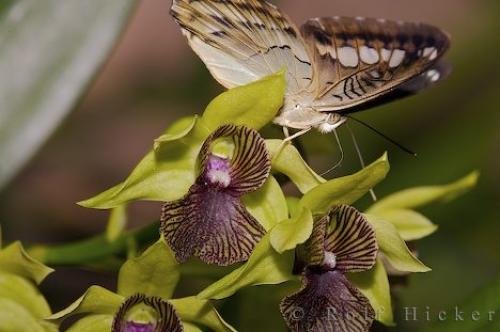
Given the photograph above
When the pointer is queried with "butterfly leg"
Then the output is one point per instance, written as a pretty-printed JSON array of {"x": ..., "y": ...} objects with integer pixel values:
[{"x": 288, "y": 138}]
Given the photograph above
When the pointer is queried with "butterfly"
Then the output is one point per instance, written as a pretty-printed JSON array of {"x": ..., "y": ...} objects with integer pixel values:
[{"x": 334, "y": 66}]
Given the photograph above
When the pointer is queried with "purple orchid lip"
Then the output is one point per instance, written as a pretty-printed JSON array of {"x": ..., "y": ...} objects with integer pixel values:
[
  {"x": 211, "y": 221},
  {"x": 167, "y": 319},
  {"x": 342, "y": 241}
]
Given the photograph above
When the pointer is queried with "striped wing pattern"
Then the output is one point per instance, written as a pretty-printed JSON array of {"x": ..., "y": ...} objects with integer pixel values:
[
  {"x": 327, "y": 302},
  {"x": 352, "y": 240},
  {"x": 358, "y": 59},
  {"x": 242, "y": 41}
]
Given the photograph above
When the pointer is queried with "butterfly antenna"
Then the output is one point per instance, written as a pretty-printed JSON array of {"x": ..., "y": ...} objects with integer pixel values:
[
  {"x": 360, "y": 156},
  {"x": 387, "y": 138},
  {"x": 338, "y": 163}
]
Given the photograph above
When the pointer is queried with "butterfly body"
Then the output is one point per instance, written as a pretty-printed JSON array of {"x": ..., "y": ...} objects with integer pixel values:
[{"x": 334, "y": 65}]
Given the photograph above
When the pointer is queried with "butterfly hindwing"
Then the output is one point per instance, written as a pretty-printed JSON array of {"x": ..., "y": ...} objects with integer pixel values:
[
  {"x": 356, "y": 60},
  {"x": 241, "y": 41}
]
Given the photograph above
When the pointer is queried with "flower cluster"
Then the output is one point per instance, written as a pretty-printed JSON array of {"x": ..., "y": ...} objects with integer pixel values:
[{"x": 226, "y": 214}]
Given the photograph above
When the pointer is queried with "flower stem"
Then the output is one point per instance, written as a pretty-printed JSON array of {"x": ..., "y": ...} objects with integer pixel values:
[{"x": 95, "y": 248}]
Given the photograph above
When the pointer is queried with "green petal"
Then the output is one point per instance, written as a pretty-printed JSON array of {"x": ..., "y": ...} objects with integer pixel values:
[
  {"x": 14, "y": 318},
  {"x": 116, "y": 223},
  {"x": 93, "y": 323},
  {"x": 162, "y": 175},
  {"x": 265, "y": 267},
  {"x": 24, "y": 293},
  {"x": 253, "y": 105},
  {"x": 290, "y": 162},
  {"x": 289, "y": 233},
  {"x": 374, "y": 284},
  {"x": 198, "y": 311},
  {"x": 347, "y": 189},
  {"x": 421, "y": 196},
  {"x": 268, "y": 204},
  {"x": 177, "y": 130},
  {"x": 394, "y": 248},
  {"x": 410, "y": 224},
  {"x": 154, "y": 273},
  {"x": 96, "y": 300},
  {"x": 293, "y": 204},
  {"x": 14, "y": 259},
  {"x": 188, "y": 327}
]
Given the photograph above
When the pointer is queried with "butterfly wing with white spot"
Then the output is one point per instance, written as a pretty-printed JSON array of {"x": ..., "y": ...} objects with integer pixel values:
[
  {"x": 241, "y": 41},
  {"x": 356, "y": 60}
]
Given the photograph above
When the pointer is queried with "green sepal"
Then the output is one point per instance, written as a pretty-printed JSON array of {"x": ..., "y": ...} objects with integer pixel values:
[
  {"x": 264, "y": 267},
  {"x": 287, "y": 160},
  {"x": 14, "y": 259},
  {"x": 253, "y": 105},
  {"x": 374, "y": 284},
  {"x": 347, "y": 189},
  {"x": 200, "y": 312},
  {"x": 394, "y": 247},
  {"x": 14, "y": 318},
  {"x": 93, "y": 323},
  {"x": 291, "y": 232},
  {"x": 421, "y": 196},
  {"x": 116, "y": 223},
  {"x": 410, "y": 224},
  {"x": 23, "y": 292},
  {"x": 96, "y": 300},
  {"x": 267, "y": 204},
  {"x": 167, "y": 172},
  {"x": 154, "y": 273}
]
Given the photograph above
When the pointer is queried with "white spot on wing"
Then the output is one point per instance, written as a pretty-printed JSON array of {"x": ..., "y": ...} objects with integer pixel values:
[
  {"x": 397, "y": 58},
  {"x": 433, "y": 55},
  {"x": 433, "y": 75},
  {"x": 348, "y": 56},
  {"x": 368, "y": 55},
  {"x": 428, "y": 51},
  {"x": 386, "y": 54}
]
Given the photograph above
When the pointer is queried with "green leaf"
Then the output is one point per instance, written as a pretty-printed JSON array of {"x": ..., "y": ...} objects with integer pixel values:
[
  {"x": 374, "y": 284},
  {"x": 96, "y": 300},
  {"x": 268, "y": 204},
  {"x": 264, "y": 267},
  {"x": 198, "y": 311},
  {"x": 253, "y": 105},
  {"x": 394, "y": 247},
  {"x": 164, "y": 174},
  {"x": 421, "y": 196},
  {"x": 24, "y": 293},
  {"x": 50, "y": 52},
  {"x": 289, "y": 233},
  {"x": 15, "y": 260},
  {"x": 347, "y": 189},
  {"x": 93, "y": 323},
  {"x": 14, "y": 318},
  {"x": 290, "y": 162},
  {"x": 410, "y": 224},
  {"x": 116, "y": 223},
  {"x": 154, "y": 273}
]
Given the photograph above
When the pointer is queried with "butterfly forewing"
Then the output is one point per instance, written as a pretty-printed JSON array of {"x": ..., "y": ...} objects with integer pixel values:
[
  {"x": 241, "y": 41},
  {"x": 356, "y": 60}
]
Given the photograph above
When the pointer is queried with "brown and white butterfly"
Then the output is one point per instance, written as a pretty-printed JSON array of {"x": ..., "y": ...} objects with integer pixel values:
[{"x": 334, "y": 66}]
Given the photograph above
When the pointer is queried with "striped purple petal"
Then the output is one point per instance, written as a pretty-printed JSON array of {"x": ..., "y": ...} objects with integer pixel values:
[
  {"x": 327, "y": 302},
  {"x": 161, "y": 316},
  {"x": 211, "y": 221},
  {"x": 351, "y": 240}
]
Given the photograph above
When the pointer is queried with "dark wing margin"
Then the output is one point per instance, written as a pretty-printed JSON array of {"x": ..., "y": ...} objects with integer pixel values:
[{"x": 356, "y": 60}]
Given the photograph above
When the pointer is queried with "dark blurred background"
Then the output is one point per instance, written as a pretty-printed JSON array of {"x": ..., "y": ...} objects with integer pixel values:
[{"x": 152, "y": 77}]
